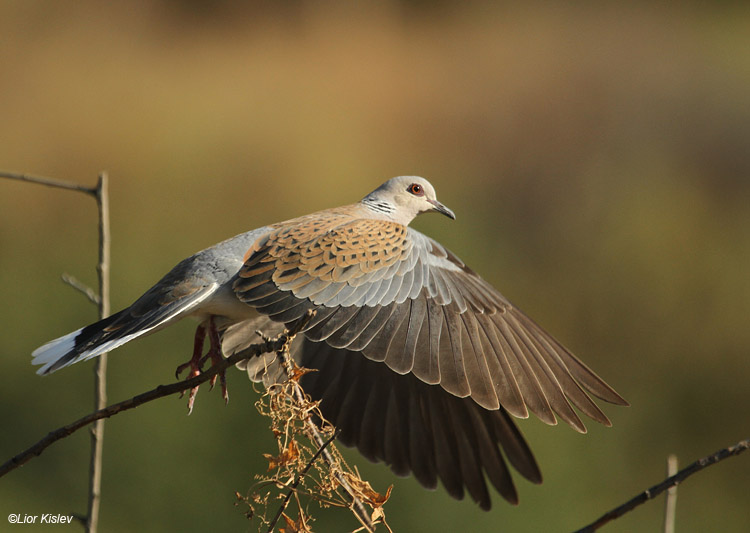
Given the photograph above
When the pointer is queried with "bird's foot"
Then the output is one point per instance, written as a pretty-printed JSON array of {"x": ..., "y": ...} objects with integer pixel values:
[
  {"x": 216, "y": 358},
  {"x": 195, "y": 370},
  {"x": 198, "y": 360}
]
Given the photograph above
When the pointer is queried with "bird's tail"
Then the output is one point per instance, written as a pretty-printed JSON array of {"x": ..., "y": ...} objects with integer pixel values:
[{"x": 84, "y": 343}]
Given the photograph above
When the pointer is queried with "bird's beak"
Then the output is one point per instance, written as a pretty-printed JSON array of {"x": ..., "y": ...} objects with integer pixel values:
[{"x": 440, "y": 208}]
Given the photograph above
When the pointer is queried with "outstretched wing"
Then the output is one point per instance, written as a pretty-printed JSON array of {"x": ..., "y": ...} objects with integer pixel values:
[
  {"x": 399, "y": 297},
  {"x": 398, "y": 419}
]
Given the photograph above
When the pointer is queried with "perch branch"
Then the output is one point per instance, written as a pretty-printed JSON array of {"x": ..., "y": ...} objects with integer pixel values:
[
  {"x": 154, "y": 394},
  {"x": 671, "y": 481}
]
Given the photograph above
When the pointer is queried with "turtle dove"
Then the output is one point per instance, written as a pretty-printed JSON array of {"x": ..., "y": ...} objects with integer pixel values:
[{"x": 420, "y": 362}]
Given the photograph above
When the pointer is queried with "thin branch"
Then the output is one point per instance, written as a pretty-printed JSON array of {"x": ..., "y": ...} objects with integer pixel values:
[
  {"x": 84, "y": 289},
  {"x": 357, "y": 506},
  {"x": 298, "y": 479},
  {"x": 49, "y": 182},
  {"x": 671, "y": 481},
  {"x": 670, "y": 502},
  {"x": 100, "y": 193},
  {"x": 161, "y": 391},
  {"x": 100, "y": 368}
]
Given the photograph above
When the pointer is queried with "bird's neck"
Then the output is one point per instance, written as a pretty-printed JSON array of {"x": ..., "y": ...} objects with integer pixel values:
[
  {"x": 378, "y": 206},
  {"x": 379, "y": 209}
]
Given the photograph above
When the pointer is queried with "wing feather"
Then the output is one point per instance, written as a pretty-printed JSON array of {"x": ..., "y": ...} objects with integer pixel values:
[{"x": 398, "y": 296}]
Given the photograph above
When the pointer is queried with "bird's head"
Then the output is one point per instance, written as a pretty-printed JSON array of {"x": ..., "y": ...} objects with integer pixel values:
[{"x": 403, "y": 198}]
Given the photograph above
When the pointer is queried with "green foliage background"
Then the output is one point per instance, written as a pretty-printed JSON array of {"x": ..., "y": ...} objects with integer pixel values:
[{"x": 597, "y": 158}]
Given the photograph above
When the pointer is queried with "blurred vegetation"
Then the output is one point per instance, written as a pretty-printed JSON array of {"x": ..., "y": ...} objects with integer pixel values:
[{"x": 596, "y": 156}]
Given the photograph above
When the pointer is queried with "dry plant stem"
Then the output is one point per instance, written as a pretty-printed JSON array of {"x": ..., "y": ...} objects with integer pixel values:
[
  {"x": 154, "y": 394},
  {"x": 671, "y": 481},
  {"x": 100, "y": 368},
  {"x": 88, "y": 292},
  {"x": 670, "y": 502},
  {"x": 101, "y": 194},
  {"x": 49, "y": 182},
  {"x": 357, "y": 506},
  {"x": 298, "y": 479}
]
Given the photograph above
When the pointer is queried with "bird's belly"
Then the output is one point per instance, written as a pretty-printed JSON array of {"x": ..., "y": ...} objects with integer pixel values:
[{"x": 224, "y": 304}]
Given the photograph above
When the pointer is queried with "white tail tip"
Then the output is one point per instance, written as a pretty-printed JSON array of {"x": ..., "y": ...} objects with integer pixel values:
[{"x": 51, "y": 352}]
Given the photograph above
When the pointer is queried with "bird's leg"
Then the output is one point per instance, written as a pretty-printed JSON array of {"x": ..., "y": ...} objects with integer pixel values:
[
  {"x": 195, "y": 363},
  {"x": 198, "y": 360},
  {"x": 214, "y": 352}
]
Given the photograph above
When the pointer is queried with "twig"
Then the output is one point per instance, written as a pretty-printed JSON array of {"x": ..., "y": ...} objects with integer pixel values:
[
  {"x": 357, "y": 506},
  {"x": 670, "y": 502},
  {"x": 49, "y": 182},
  {"x": 100, "y": 368},
  {"x": 84, "y": 289},
  {"x": 671, "y": 481},
  {"x": 298, "y": 478},
  {"x": 100, "y": 193},
  {"x": 159, "y": 392}
]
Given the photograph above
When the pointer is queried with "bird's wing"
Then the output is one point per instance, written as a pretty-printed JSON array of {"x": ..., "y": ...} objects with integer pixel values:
[
  {"x": 398, "y": 419},
  {"x": 399, "y": 297}
]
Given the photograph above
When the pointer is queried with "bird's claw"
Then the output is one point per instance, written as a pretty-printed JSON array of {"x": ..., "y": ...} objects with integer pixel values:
[
  {"x": 197, "y": 361},
  {"x": 196, "y": 371}
]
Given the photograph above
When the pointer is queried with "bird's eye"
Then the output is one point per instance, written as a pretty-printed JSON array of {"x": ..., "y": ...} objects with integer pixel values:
[{"x": 416, "y": 189}]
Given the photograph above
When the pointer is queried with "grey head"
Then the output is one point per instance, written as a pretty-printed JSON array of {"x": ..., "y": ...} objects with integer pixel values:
[{"x": 401, "y": 199}]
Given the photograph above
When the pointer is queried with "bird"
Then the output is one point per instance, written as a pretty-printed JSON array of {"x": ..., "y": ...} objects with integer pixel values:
[{"x": 420, "y": 363}]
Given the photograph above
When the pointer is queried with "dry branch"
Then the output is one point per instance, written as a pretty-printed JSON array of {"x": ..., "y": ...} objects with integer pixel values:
[
  {"x": 357, "y": 506},
  {"x": 81, "y": 287},
  {"x": 670, "y": 502},
  {"x": 101, "y": 194},
  {"x": 159, "y": 392},
  {"x": 100, "y": 367},
  {"x": 308, "y": 465},
  {"x": 298, "y": 479},
  {"x": 671, "y": 481},
  {"x": 49, "y": 182}
]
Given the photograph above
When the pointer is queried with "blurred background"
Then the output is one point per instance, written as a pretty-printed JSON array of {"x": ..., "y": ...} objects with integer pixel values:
[{"x": 597, "y": 157}]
